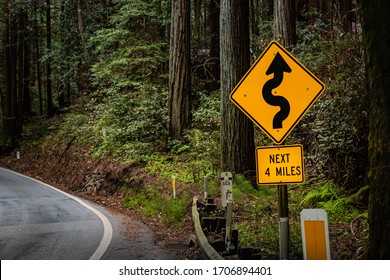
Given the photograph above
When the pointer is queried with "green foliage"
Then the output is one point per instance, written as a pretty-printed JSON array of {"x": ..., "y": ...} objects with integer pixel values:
[
  {"x": 127, "y": 58},
  {"x": 159, "y": 164},
  {"x": 335, "y": 130},
  {"x": 326, "y": 192},
  {"x": 258, "y": 225},
  {"x": 128, "y": 75},
  {"x": 340, "y": 208},
  {"x": 186, "y": 166},
  {"x": 189, "y": 160},
  {"x": 174, "y": 210},
  {"x": 132, "y": 120},
  {"x": 197, "y": 155},
  {"x": 82, "y": 135},
  {"x": 248, "y": 234},
  {"x": 127, "y": 67},
  {"x": 207, "y": 115},
  {"x": 148, "y": 15},
  {"x": 157, "y": 202},
  {"x": 242, "y": 186}
]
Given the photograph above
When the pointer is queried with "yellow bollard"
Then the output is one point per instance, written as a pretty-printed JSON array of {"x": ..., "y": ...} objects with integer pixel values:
[{"x": 174, "y": 186}]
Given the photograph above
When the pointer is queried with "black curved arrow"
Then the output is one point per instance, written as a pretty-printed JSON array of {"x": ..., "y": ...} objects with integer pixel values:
[{"x": 278, "y": 67}]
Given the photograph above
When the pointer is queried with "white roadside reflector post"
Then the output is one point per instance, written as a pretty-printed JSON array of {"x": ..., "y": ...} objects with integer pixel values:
[
  {"x": 227, "y": 203},
  {"x": 206, "y": 187},
  {"x": 315, "y": 234},
  {"x": 226, "y": 188}
]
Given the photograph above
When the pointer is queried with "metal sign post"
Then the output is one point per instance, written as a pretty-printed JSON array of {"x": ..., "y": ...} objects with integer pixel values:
[
  {"x": 284, "y": 229},
  {"x": 275, "y": 94}
]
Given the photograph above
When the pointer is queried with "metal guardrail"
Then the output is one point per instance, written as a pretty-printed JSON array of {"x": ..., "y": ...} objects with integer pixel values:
[{"x": 210, "y": 252}]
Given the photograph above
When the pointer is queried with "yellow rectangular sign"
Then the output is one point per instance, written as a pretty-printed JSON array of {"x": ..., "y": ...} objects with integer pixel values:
[{"x": 279, "y": 165}]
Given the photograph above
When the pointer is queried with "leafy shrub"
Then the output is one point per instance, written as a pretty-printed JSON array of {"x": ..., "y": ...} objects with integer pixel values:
[
  {"x": 128, "y": 76},
  {"x": 158, "y": 204},
  {"x": 335, "y": 130},
  {"x": 207, "y": 115},
  {"x": 340, "y": 208}
]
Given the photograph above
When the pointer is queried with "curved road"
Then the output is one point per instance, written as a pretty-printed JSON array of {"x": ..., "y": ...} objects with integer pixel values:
[{"x": 38, "y": 221}]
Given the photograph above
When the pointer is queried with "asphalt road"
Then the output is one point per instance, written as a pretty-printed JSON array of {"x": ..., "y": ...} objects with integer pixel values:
[{"x": 38, "y": 221}]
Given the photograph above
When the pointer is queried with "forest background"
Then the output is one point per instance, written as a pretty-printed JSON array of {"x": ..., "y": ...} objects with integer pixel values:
[{"x": 93, "y": 78}]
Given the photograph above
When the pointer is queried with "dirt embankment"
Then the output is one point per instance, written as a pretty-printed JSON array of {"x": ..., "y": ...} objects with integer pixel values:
[{"x": 72, "y": 169}]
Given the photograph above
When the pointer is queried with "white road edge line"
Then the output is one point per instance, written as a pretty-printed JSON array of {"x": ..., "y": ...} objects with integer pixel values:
[{"x": 107, "y": 234}]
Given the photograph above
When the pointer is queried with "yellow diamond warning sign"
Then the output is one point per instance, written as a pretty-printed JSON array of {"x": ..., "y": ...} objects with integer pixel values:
[
  {"x": 279, "y": 165},
  {"x": 276, "y": 92}
]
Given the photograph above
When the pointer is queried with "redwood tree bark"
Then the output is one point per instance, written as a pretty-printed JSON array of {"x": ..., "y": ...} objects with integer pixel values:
[
  {"x": 179, "y": 70},
  {"x": 237, "y": 138},
  {"x": 213, "y": 22},
  {"x": 376, "y": 23},
  {"x": 49, "y": 94},
  {"x": 284, "y": 19},
  {"x": 20, "y": 80},
  {"x": 10, "y": 57},
  {"x": 38, "y": 57},
  {"x": 346, "y": 14}
]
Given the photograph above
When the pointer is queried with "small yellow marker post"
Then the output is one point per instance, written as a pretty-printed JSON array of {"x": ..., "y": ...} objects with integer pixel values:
[
  {"x": 174, "y": 186},
  {"x": 315, "y": 234}
]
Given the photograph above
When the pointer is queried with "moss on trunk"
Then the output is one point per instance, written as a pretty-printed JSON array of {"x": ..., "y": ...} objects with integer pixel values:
[{"x": 376, "y": 23}]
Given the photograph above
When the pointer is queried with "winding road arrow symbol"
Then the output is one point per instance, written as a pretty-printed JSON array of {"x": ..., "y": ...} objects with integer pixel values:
[
  {"x": 276, "y": 92},
  {"x": 277, "y": 67}
]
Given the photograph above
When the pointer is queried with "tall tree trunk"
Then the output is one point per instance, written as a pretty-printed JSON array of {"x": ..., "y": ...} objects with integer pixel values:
[
  {"x": 376, "y": 23},
  {"x": 267, "y": 8},
  {"x": 237, "y": 138},
  {"x": 179, "y": 70},
  {"x": 255, "y": 17},
  {"x": 38, "y": 57},
  {"x": 49, "y": 94},
  {"x": 10, "y": 52},
  {"x": 284, "y": 19},
  {"x": 2, "y": 100},
  {"x": 13, "y": 68},
  {"x": 81, "y": 29},
  {"x": 27, "y": 107},
  {"x": 20, "y": 86},
  {"x": 213, "y": 22},
  {"x": 197, "y": 19},
  {"x": 8, "y": 63},
  {"x": 314, "y": 8},
  {"x": 346, "y": 14}
]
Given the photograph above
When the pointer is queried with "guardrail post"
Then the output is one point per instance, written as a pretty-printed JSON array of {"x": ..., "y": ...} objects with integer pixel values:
[{"x": 229, "y": 214}]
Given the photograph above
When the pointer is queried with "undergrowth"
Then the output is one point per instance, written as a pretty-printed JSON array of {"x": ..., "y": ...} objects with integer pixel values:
[{"x": 157, "y": 202}]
